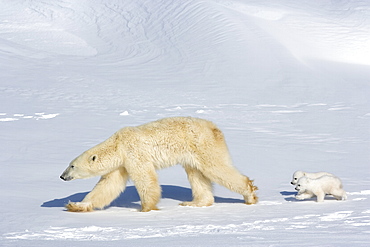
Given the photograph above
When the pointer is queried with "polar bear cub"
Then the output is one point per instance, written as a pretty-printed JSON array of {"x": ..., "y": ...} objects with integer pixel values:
[
  {"x": 298, "y": 174},
  {"x": 331, "y": 185}
]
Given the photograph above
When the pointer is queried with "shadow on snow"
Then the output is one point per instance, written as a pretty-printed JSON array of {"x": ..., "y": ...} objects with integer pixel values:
[
  {"x": 292, "y": 198},
  {"x": 130, "y": 198}
]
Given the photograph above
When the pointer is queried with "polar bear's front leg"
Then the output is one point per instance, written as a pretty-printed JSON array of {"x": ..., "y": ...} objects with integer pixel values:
[
  {"x": 304, "y": 195},
  {"x": 201, "y": 189},
  {"x": 79, "y": 207},
  {"x": 108, "y": 188}
]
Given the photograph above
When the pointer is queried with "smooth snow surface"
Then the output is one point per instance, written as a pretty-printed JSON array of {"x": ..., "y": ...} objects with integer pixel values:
[{"x": 287, "y": 81}]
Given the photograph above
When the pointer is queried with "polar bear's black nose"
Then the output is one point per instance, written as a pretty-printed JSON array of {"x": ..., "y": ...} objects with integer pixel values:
[
  {"x": 66, "y": 178},
  {"x": 291, "y": 183}
]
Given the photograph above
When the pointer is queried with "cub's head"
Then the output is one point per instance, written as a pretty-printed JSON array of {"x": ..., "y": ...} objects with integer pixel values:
[
  {"x": 297, "y": 175},
  {"x": 302, "y": 184}
]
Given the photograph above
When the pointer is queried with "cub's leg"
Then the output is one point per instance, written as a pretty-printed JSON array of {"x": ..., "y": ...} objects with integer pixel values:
[
  {"x": 148, "y": 188},
  {"x": 201, "y": 189},
  {"x": 109, "y": 187},
  {"x": 320, "y": 196},
  {"x": 339, "y": 194},
  {"x": 304, "y": 195}
]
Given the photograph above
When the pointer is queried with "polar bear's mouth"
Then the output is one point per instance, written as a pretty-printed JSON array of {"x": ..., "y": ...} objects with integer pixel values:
[{"x": 66, "y": 178}]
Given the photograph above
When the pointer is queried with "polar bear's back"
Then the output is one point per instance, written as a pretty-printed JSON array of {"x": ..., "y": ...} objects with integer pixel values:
[
  {"x": 176, "y": 140},
  {"x": 328, "y": 183},
  {"x": 316, "y": 175},
  {"x": 184, "y": 128}
]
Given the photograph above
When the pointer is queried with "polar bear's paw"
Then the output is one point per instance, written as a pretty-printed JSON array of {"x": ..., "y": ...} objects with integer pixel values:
[
  {"x": 340, "y": 197},
  {"x": 79, "y": 207},
  {"x": 251, "y": 199},
  {"x": 300, "y": 197},
  {"x": 147, "y": 209}
]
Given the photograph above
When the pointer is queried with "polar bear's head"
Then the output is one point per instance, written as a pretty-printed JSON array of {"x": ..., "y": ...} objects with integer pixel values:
[
  {"x": 302, "y": 184},
  {"x": 297, "y": 175},
  {"x": 96, "y": 161},
  {"x": 81, "y": 167}
]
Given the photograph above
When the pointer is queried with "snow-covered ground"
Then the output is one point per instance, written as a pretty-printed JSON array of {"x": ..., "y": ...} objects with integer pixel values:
[{"x": 287, "y": 81}]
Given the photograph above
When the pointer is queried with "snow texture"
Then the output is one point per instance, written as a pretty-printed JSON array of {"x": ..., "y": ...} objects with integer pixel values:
[{"x": 288, "y": 82}]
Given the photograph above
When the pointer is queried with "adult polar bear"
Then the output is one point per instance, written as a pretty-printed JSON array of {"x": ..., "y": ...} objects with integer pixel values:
[{"x": 137, "y": 152}]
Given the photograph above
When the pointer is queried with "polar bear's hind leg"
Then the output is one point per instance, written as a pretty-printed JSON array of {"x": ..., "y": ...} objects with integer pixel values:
[
  {"x": 201, "y": 188},
  {"x": 230, "y": 178},
  {"x": 148, "y": 188},
  {"x": 339, "y": 194},
  {"x": 320, "y": 196}
]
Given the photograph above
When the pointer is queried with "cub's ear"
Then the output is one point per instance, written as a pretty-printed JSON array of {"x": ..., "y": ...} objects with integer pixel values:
[{"x": 93, "y": 158}]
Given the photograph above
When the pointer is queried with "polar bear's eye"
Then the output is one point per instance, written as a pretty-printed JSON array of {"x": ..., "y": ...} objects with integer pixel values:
[
  {"x": 72, "y": 166},
  {"x": 295, "y": 178},
  {"x": 93, "y": 158}
]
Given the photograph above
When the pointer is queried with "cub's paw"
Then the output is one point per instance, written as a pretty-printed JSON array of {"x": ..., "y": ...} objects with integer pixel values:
[
  {"x": 79, "y": 207},
  {"x": 300, "y": 197}
]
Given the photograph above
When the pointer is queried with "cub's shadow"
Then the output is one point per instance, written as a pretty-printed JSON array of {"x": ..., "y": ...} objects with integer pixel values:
[
  {"x": 291, "y": 195},
  {"x": 292, "y": 198},
  {"x": 130, "y": 198}
]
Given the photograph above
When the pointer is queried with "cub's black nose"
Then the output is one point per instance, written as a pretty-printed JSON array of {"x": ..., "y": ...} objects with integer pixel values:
[
  {"x": 291, "y": 182},
  {"x": 61, "y": 177}
]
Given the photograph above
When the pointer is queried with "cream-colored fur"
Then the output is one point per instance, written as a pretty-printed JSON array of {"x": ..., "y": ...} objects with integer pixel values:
[
  {"x": 137, "y": 152},
  {"x": 324, "y": 185},
  {"x": 298, "y": 174}
]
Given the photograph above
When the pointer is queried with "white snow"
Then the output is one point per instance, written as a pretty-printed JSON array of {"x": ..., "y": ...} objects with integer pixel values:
[{"x": 288, "y": 82}]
